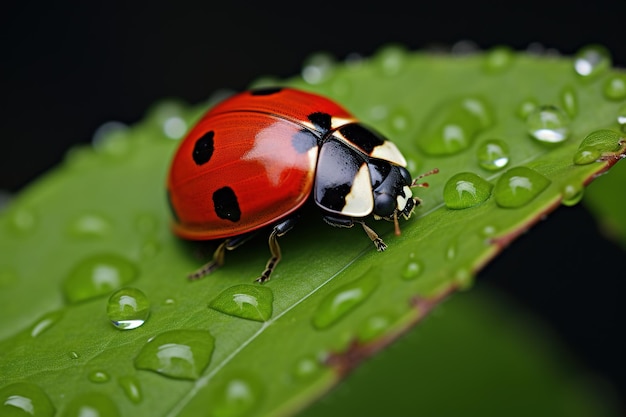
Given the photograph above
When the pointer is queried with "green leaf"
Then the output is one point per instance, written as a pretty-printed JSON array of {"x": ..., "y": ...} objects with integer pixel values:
[{"x": 100, "y": 222}]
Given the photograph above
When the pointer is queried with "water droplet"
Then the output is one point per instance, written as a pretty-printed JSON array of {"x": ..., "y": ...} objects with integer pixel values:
[
  {"x": 98, "y": 275},
  {"x": 98, "y": 377},
  {"x": 318, "y": 68},
  {"x": 548, "y": 124},
  {"x": 412, "y": 269},
  {"x": 569, "y": 101},
  {"x": 452, "y": 250},
  {"x": 132, "y": 389},
  {"x": 518, "y": 186},
  {"x": 169, "y": 116},
  {"x": 498, "y": 59},
  {"x": 45, "y": 323},
  {"x": 111, "y": 139},
  {"x": 338, "y": 303},
  {"x": 91, "y": 404},
  {"x": 452, "y": 128},
  {"x": 73, "y": 355},
  {"x": 615, "y": 87},
  {"x": 464, "y": 278},
  {"x": 22, "y": 220},
  {"x": 237, "y": 396},
  {"x": 169, "y": 302},
  {"x": 25, "y": 399},
  {"x": 175, "y": 127},
  {"x": 399, "y": 120},
  {"x": 591, "y": 61},
  {"x": 306, "y": 367},
  {"x": 572, "y": 194},
  {"x": 595, "y": 144},
  {"x": 465, "y": 190},
  {"x": 373, "y": 327},
  {"x": 525, "y": 108},
  {"x": 488, "y": 231},
  {"x": 251, "y": 302},
  {"x": 182, "y": 354},
  {"x": 586, "y": 155},
  {"x": 90, "y": 225},
  {"x": 391, "y": 59},
  {"x": 128, "y": 308},
  {"x": 621, "y": 117},
  {"x": 493, "y": 154}
]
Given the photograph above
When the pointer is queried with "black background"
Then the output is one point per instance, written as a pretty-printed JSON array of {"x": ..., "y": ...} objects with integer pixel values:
[{"x": 67, "y": 68}]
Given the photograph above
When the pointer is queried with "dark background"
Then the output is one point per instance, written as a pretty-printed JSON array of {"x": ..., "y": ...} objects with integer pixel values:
[{"x": 67, "y": 69}]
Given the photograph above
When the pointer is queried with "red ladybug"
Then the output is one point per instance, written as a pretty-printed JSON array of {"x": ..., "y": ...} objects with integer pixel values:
[{"x": 254, "y": 160}]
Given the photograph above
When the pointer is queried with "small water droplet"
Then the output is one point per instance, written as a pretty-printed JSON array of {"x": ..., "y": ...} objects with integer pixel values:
[
  {"x": 452, "y": 127},
  {"x": 493, "y": 154},
  {"x": 22, "y": 220},
  {"x": 237, "y": 396},
  {"x": 452, "y": 250},
  {"x": 498, "y": 59},
  {"x": 306, "y": 367},
  {"x": 621, "y": 117},
  {"x": 169, "y": 117},
  {"x": 98, "y": 377},
  {"x": 463, "y": 278},
  {"x": 169, "y": 302},
  {"x": 373, "y": 327},
  {"x": 548, "y": 124},
  {"x": 525, "y": 108},
  {"x": 45, "y": 323},
  {"x": 615, "y": 87},
  {"x": 399, "y": 120},
  {"x": 338, "y": 303},
  {"x": 111, "y": 139},
  {"x": 569, "y": 101},
  {"x": 25, "y": 399},
  {"x": 318, "y": 68},
  {"x": 131, "y": 387},
  {"x": 586, "y": 155},
  {"x": 91, "y": 404},
  {"x": 465, "y": 190},
  {"x": 591, "y": 61},
  {"x": 181, "y": 354},
  {"x": 391, "y": 60},
  {"x": 518, "y": 186},
  {"x": 128, "y": 308},
  {"x": 595, "y": 144},
  {"x": 488, "y": 231},
  {"x": 90, "y": 225},
  {"x": 73, "y": 355},
  {"x": 251, "y": 302},
  {"x": 175, "y": 127},
  {"x": 98, "y": 275},
  {"x": 572, "y": 194},
  {"x": 412, "y": 269}
]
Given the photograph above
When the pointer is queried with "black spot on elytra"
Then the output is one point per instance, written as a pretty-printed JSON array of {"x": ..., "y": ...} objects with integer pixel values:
[
  {"x": 334, "y": 198},
  {"x": 226, "y": 204},
  {"x": 265, "y": 91},
  {"x": 322, "y": 121},
  {"x": 304, "y": 140},
  {"x": 203, "y": 149}
]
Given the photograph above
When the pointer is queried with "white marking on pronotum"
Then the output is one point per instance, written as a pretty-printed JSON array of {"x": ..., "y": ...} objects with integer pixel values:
[{"x": 360, "y": 200}]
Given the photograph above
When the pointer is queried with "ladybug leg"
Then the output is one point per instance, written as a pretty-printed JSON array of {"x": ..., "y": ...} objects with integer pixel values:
[
  {"x": 279, "y": 230},
  {"x": 378, "y": 242},
  {"x": 218, "y": 255},
  {"x": 349, "y": 222}
]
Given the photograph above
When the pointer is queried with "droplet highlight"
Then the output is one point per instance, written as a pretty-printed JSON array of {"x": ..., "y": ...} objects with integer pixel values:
[
  {"x": 569, "y": 101},
  {"x": 518, "y": 186},
  {"x": 493, "y": 154},
  {"x": 25, "y": 399},
  {"x": 131, "y": 387},
  {"x": 591, "y": 61},
  {"x": 412, "y": 269},
  {"x": 572, "y": 194},
  {"x": 237, "y": 396},
  {"x": 89, "y": 225},
  {"x": 465, "y": 190},
  {"x": 548, "y": 124},
  {"x": 22, "y": 220},
  {"x": 615, "y": 87},
  {"x": 525, "y": 108},
  {"x": 98, "y": 377},
  {"x": 373, "y": 327},
  {"x": 91, "y": 404},
  {"x": 98, "y": 275},
  {"x": 45, "y": 323},
  {"x": 250, "y": 302},
  {"x": 180, "y": 354},
  {"x": 595, "y": 144},
  {"x": 621, "y": 117},
  {"x": 128, "y": 308},
  {"x": 341, "y": 301}
]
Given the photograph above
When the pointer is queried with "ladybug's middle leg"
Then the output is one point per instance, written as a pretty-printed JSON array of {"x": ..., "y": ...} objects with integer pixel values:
[
  {"x": 279, "y": 230},
  {"x": 349, "y": 222},
  {"x": 218, "y": 255}
]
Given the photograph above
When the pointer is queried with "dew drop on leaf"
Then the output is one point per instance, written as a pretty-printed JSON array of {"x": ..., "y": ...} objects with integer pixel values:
[
  {"x": 412, "y": 269},
  {"x": 236, "y": 397},
  {"x": 73, "y": 354},
  {"x": 25, "y": 399},
  {"x": 525, "y": 108},
  {"x": 98, "y": 377},
  {"x": 615, "y": 87},
  {"x": 318, "y": 68},
  {"x": 45, "y": 323},
  {"x": 168, "y": 116},
  {"x": 569, "y": 101},
  {"x": 391, "y": 60},
  {"x": 548, "y": 124},
  {"x": 498, "y": 59},
  {"x": 586, "y": 155},
  {"x": 22, "y": 220},
  {"x": 251, "y": 302},
  {"x": 493, "y": 154},
  {"x": 518, "y": 186},
  {"x": 591, "y": 61},
  {"x": 132, "y": 389},
  {"x": 181, "y": 354},
  {"x": 341, "y": 301},
  {"x": 466, "y": 189},
  {"x": 98, "y": 275},
  {"x": 306, "y": 367},
  {"x": 92, "y": 404},
  {"x": 89, "y": 225},
  {"x": 373, "y": 327},
  {"x": 399, "y": 121},
  {"x": 128, "y": 308},
  {"x": 572, "y": 194},
  {"x": 604, "y": 140}
]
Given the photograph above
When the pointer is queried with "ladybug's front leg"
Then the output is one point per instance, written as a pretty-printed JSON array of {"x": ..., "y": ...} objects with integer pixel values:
[
  {"x": 279, "y": 230},
  {"x": 218, "y": 255},
  {"x": 349, "y": 222}
]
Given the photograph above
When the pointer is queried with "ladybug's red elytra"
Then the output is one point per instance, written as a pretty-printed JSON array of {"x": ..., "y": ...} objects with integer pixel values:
[{"x": 254, "y": 160}]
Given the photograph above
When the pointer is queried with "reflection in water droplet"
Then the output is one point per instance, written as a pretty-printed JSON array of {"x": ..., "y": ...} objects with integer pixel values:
[
  {"x": 572, "y": 194},
  {"x": 45, "y": 323},
  {"x": 252, "y": 302},
  {"x": 318, "y": 68},
  {"x": 390, "y": 59},
  {"x": 586, "y": 155},
  {"x": 493, "y": 154},
  {"x": 237, "y": 396},
  {"x": 132, "y": 389},
  {"x": 98, "y": 377},
  {"x": 569, "y": 101},
  {"x": 463, "y": 278},
  {"x": 73, "y": 355},
  {"x": 182, "y": 354},
  {"x": 306, "y": 367},
  {"x": 498, "y": 59},
  {"x": 98, "y": 275},
  {"x": 621, "y": 117},
  {"x": 89, "y": 225},
  {"x": 591, "y": 61},
  {"x": 548, "y": 124},
  {"x": 25, "y": 399},
  {"x": 128, "y": 308},
  {"x": 91, "y": 404},
  {"x": 518, "y": 186},
  {"x": 373, "y": 327},
  {"x": 615, "y": 87},
  {"x": 465, "y": 190},
  {"x": 111, "y": 139},
  {"x": 338, "y": 303}
]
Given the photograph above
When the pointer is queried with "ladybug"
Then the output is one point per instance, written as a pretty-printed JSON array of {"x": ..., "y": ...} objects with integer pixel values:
[{"x": 255, "y": 159}]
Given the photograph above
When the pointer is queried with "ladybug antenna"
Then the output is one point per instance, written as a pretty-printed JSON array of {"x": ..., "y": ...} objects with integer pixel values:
[
  {"x": 415, "y": 182},
  {"x": 396, "y": 224}
]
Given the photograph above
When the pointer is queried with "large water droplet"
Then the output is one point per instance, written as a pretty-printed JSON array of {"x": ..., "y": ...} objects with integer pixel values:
[
  {"x": 338, "y": 303},
  {"x": 569, "y": 101},
  {"x": 518, "y": 186},
  {"x": 89, "y": 225},
  {"x": 498, "y": 59},
  {"x": 98, "y": 275},
  {"x": 493, "y": 154},
  {"x": 132, "y": 389},
  {"x": 182, "y": 354},
  {"x": 595, "y": 144},
  {"x": 128, "y": 308},
  {"x": 237, "y": 396},
  {"x": 465, "y": 190},
  {"x": 548, "y": 124},
  {"x": 591, "y": 61},
  {"x": 45, "y": 323},
  {"x": 318, "y": 68},
  {"x": 25, "y": 399},
  {"x": 252, "y": 302},
  {"x": 91, "y": 404},
  {"x": 572, "y": 194},
  {"x": 452, "y": 127},
  {"x": 615, "y": 87}
]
